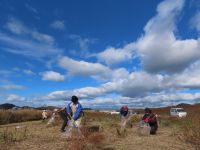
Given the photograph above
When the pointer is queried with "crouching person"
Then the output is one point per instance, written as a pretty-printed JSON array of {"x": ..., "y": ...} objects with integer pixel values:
[
  {"x": 75, "y": 111},
  {"x": 151, "y": 119}
]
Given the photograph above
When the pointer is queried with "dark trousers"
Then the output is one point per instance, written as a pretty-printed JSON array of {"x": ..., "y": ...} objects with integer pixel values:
[
  {"x": 64, "y": 115},
  {"x": 153, "y": 129}
]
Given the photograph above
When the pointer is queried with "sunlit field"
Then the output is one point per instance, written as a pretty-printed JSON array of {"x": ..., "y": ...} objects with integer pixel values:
[{"x": 100, "y": 133}]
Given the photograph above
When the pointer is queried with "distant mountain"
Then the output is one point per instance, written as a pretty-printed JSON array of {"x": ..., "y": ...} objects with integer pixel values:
[
  {"x": 26, "y": 107},
  {"x": 87, "y": 108},
  {"x": 183, "y": 105},
  {"x": 47, "y": 108},
  {"x": 7, "y": 106}
]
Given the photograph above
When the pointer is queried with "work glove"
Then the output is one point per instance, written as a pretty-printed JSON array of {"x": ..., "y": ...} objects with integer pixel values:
[
  {"x": 146, "y": 120},
  {"x": 75, "y": 124}
]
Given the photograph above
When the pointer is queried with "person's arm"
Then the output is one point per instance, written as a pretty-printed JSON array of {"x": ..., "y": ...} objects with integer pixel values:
[
  {"x": 68, "y": 110},
  {"x": 152, "y": 118},
  {"x": 145, "y": 118},
  {"x": 61, "y": 110},
  {"x": 78, "y": 112}
]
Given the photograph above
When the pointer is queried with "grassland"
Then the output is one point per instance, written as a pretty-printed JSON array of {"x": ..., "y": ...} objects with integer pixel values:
[{"x": 173, "y": 134}]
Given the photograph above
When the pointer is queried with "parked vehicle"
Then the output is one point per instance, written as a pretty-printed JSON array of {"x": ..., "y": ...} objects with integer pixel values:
[{"x": 178, "y": 112}]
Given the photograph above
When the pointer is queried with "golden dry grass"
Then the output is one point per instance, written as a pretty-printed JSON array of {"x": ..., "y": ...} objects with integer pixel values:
[
  {"x": 39, "y": 136},
  {"x": 12, "y": 116}
]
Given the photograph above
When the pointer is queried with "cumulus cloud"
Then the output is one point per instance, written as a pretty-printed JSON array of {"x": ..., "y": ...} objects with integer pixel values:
[
  {"x": 159, "y": 48},
  {"x": 52, "y": 76},
  {"x": 58, "y": 24},
  {"x": 112, "y": 55},
  {"x": 189, "y": 78},
  {"x": 109, "y": 102},
  {"x": 94, "y": 70}
]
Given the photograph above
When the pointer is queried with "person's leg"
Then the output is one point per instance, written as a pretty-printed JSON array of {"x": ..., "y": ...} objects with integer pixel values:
[
  {"x": 77, "y": 124},
  {"x": 153, "y": 130},
  {"x": 64, "y": 118}
]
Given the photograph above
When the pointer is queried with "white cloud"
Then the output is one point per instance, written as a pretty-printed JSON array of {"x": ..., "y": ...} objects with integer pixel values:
[
  {"x": 112, "y": 56},
  {"x": 120, "y": 73},
  {"x": 84, "y": 68},
  {"x": 82, "y": 42},
  {"x": 159, "y": 49},
  {"x": 189, "y": 78},
  {"x": 28, "y": 72},
  {"x": 26, "y": 47},
  {"x": 109, "y": 102},
  {"x": 42, "y": 37},
  {"x": 195, "y": 21},
  {"x": 15, "y": 98},
  {"x": 6, "y": 73},
  {"x": 29, "y": 42},
  {"x": 11, "y": 87},
  {"x": 17, "y": 27},
  {"x": 58, "y": 24},
  {"x": 32, "y": 9},
  {"x": 52, "y": 76},
  {"x": 82, "y": 45}
]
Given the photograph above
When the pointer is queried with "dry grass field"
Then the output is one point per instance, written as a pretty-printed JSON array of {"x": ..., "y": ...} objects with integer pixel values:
[{"x": 173, "y": 134}]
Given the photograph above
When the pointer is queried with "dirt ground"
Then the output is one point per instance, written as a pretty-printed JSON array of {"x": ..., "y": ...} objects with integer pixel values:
[{"x": 36, "y": 135}]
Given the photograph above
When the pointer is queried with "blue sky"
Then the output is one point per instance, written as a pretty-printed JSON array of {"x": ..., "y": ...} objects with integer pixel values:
[{"x": 108, "y": 53}]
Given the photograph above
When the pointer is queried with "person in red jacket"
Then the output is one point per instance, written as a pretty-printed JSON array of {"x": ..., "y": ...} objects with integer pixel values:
[{"x": 151, "y": 119}]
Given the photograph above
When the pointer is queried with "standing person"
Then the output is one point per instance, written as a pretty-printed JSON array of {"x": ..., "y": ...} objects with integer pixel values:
[
  {"x": 124, "y": 111},
  {"x": 44, "y": 115},
  {"x": 123, "y": 116},
  {"x": 151, "y": 119},
  {"x": 75, "y": 111}
]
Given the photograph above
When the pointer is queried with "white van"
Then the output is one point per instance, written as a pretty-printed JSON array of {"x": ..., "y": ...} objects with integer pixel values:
[{"x": 178, "y": 112}]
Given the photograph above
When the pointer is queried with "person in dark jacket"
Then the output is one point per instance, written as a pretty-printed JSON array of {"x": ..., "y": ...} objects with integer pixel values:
[{"x": 151, "y": 119}]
